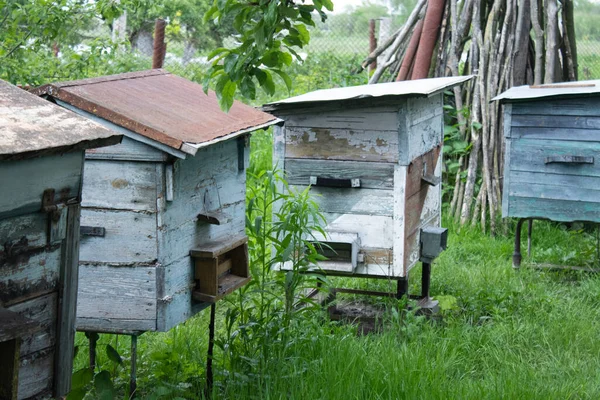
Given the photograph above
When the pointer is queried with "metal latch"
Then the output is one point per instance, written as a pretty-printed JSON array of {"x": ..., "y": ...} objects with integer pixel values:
[
  {"x": 334, "y": 182},
  {"x": 57, "y": 219},
  {"x": 92, "y": 231},
  {"x": 430, "y": 179}
]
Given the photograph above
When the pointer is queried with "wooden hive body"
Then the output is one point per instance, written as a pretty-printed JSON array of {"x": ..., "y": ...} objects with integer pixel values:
[
  {"x": 41, "y": 184},
  {"x": 163, "y": 212},
  {"x": 552, "y": 154},
  {"x": 392, "y": 146},
  {"x": 139, "y": 276}
]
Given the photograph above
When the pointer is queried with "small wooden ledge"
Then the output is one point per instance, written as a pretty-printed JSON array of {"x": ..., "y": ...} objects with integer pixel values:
[
  {"x": 214, "y": 217},
  {"x": 220, "y": 268}
]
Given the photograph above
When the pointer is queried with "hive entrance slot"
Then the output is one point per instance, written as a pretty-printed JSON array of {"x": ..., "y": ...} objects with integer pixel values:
[
  {"x": 220, "y": 268},
  {"x": 341, "y": 250}
]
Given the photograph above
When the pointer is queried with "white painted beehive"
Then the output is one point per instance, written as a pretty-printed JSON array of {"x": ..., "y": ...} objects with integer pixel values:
[{"x": 372, "y": 157}]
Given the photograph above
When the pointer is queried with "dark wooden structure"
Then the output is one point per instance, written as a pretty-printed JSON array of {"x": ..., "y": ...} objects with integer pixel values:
[{"x": 41, "y": 166}]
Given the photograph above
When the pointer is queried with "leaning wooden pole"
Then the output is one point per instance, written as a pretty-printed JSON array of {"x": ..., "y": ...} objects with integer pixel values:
[
  {"x": 411, "y": 50},
  {"x": 160, "y": 47},
  {"x": 429, "y": 36}
]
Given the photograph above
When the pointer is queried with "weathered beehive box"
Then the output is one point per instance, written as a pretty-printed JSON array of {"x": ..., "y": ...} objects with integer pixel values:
[
  {"x": 372, "y": 155},
  {"x": 176, "y": 185},
  {"x": 552, "y": 156},
  {"x": 41, "y": 161}
]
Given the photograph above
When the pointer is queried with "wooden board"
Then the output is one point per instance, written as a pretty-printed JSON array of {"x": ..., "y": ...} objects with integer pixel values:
[
  {"x": 342, "y": 144},
  {"x": 130, "y": 237},
  {"x": 376, "y": 118},
  {"x": 557, "y": 121},
  {"x": 127, "y": 150},
  {"x": 374, "y": 231},
  {"x": 572, "y": 107},
  {"x": 174, "y": 292},
  {"x": 36, "y": 375},
  {"x": 26, "y": 181},
  {"x": 351, "y": 201},
  {"x": 111, "y": 294},
  {"x": 372, "y": 175},
  {"x": 556, "y": 210},
  {"x": 44, "y": 311},
  {"x": 119, "y": 185}
]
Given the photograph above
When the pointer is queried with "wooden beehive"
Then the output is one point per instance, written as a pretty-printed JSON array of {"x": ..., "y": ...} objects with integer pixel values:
[
  {"x": 372, "y": 155},
  {"x": 552, "y": 156},
  {"x": 41, "y": 161},
  {"x": 175, "y": 185}
]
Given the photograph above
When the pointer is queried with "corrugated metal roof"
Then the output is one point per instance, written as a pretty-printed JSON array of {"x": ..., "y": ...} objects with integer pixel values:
[
  {"x": 161, "y": 106},
  {"x": 416, "y": 88},
  {"x": 557, "y": 90},
  {"x": 31, "y": 126}
]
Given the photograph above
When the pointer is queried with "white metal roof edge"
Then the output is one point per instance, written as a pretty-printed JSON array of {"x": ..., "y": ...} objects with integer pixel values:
[
  {"x": 570, "y": 89},
  {"x": 192, "y": 148},
  {"x": 372, "y": 91}
]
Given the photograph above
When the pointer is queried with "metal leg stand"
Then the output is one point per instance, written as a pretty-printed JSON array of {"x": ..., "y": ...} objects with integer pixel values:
[
  {"x": 529, "y": 228},
  {"x": 517, "y": 253},
  {"x": 93, "y": 339},
  {"x": 402, "y": 288},
  {"x": 133, "y": 372},
  {"x": 209, "y": 355},
  {"x": 425, "y": 280}
]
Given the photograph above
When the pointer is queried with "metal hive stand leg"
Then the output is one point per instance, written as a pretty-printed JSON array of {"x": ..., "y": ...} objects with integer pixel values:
[
  {"x": 209, "y": 354},
  {"x": 517, "y": 252},
  {"x": 133, "y": 368}
]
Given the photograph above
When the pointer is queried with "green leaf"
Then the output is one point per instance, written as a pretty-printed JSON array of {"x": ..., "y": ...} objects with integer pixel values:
[
  {"x": 216, "y": 52},
  {"x": 476, "y": 125},
  {"x": 113, "y": 355},
  {"x": 230, "y": 63},
  {"x": 77, "y": 393},
  {"x": 248, "y": 88},
  {"x": 81, "y": 378},
  {"x": 103, "y": 382},
  {"x": 268, "y": 85},
  {"x": 271, "y": 59},
  {"x": 75, "y": 352},
  {"x": 286, "y": 78},
  {"x": 226, "y": 94}
]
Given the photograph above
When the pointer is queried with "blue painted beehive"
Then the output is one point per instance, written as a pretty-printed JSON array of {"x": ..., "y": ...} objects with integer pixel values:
[
  {"x": 41, "y": 165},
  {"x": 164, "y": 212}
]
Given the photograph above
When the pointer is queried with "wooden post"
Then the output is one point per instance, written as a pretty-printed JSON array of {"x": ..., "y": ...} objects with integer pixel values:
[
  {"x": 160, "y": 48},
  {"x": 67, "y": 304},
  {"x": 133, "y": 368},
  {"x": 372, "y": 44}
]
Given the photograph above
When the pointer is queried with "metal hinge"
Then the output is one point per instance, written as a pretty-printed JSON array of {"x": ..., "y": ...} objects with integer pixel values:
[{"x": 57, "y": 219}]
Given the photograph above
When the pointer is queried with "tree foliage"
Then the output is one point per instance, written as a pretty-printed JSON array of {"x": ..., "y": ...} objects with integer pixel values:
[{"x": 268, "y": 34}]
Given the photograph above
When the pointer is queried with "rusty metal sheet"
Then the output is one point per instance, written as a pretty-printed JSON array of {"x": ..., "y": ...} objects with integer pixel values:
[
  {"x": 554, "y": 90},
  {"x": 31, "y": 126},
  {"x": 416, "y": 88},
  {"x": 160, "y": 106}
]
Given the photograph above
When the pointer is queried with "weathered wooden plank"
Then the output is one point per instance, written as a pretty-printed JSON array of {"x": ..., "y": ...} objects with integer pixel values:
[
  {"x": 554, "y": 192},
  {"x": 119, "y": 185},
  {"x": 130, "y": 237},
  {"x": 372, "y": 175},
  {"x": 31, "y": 273},
  {"x": 570, "y": 134},
  {"x": 36, "y": 375},
  {"x": 108, "y": 293},
  {"x": 175, "y": 299},
  {"x": 26, "y": 181},
  {"x": 351, "y": 201},
  {"x": 44, "y": 311},
  {"x": 378, "y": 118},
  {"x": 507, "y": 120},
  {"x": 556, "y": 210},
  {"x": 425, "y": 164},
  {"x": 128, "y": 150},
  {"x": 118, "y": 326},
  {"x": 177, "y": 242},
  {"x": 399, "y": 234},
  {"x": 422, "y": 109},
  {"x": 342, "y": 144},
  {"x": 374, "y": 231},
  {"x": 573, "y": 107},
  {"x": 574, "y": 182},
  {"x": 65, "y": 331},
  {"x": 423, "y": 137},
  {"x": 530, "y": 155},
  {"x": 556, "y": 121},
  {"x": 507, "y": 172}
]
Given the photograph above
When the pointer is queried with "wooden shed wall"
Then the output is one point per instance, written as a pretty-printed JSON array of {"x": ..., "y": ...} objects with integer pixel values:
[
  {"x": 539, "y": 129},
  {"x": 31, "y": 269}
]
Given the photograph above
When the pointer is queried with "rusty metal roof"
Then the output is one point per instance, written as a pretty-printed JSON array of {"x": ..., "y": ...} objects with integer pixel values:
[
  {"x": 552, "y": 90},
  {"x": 415, "y": 88},
  {"x": 161, "y": 106},
  {"x": 30, "y": 126}
]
